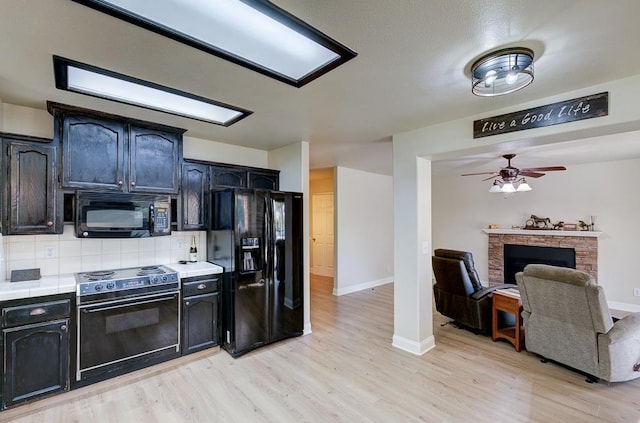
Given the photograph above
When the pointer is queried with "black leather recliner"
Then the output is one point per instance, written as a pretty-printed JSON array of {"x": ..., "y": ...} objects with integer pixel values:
[{"x": 458, "y": 292}]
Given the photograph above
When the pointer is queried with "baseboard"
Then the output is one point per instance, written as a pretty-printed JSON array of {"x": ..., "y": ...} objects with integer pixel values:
[
  {"x": 417, "y": 348},
  {"x": 361, "y": 286},
  {"x": 307, "y": 329},
  {"x": 631, "y": 308}
]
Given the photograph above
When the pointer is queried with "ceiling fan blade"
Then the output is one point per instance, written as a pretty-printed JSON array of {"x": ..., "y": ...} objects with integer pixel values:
[
  {"x": 479, "y": 173},
  {"x": 543, "y": 169},
  {"x": 495, "y": 175},
  {"x": 531, "y": 174}
]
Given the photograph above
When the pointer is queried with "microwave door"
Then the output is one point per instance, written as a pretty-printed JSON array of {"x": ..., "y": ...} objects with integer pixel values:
[{"x": 113, "y": 220}]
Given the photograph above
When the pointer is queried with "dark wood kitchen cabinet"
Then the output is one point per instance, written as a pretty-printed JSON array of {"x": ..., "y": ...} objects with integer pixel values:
[
  {"x": 93, "y": 153},
  {"x": 228, "y": 177},
  {"x": 263, "y": 179},
  {"x": 200, "y": 313},
  {"x": 36, "y": 350},
  {"x": 101, "y": 151},
  {"x": 154, "y": 158},
  {"x": 31, "y": 196},
  {"x": 194, "y": 197}
]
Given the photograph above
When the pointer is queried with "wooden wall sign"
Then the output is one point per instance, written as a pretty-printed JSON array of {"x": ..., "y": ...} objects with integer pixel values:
[{"x": 588, "y": 107}]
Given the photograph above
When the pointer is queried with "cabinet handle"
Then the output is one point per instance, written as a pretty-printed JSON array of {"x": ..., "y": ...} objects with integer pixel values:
[
  {"x": 63, "y": 327},
  {"x": 37, "y": 311},
  {"x": 119, "y": 182},
  {"x": 201, "y": 286},
  {"x": 133, "y": 184},
  {"x": 187, "y": 303},
  {"x": 49, "y": 223}
]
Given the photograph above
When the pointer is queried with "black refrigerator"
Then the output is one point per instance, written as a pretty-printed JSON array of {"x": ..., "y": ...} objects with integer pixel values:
[{"x": 256, "y": 235}]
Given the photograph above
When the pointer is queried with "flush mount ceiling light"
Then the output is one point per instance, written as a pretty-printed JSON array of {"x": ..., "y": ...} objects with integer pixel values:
[
  {"x": 97, "y": 82},
  {"x": 255, "y": 34},
  {"x": 502, "y": 72}
]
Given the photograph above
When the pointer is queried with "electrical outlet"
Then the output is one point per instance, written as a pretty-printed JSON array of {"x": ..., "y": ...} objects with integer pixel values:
[
  {"x": 179, "y": 245},
  {"x": 636, "y": 292},
  {"x": 49, "y": 252}
]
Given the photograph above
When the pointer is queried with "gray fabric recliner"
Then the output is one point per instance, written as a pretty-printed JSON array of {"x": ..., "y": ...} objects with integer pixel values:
[{"x": 567, "y": 320}]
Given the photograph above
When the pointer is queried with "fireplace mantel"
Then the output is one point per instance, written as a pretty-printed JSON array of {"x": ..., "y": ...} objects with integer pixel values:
[
  {"x": 594, "y": 234},
  {"x": 585, "y": 244}
]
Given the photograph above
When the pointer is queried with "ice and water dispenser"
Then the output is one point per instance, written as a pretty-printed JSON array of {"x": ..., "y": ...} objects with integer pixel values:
[{"x": 250, "y": 255}]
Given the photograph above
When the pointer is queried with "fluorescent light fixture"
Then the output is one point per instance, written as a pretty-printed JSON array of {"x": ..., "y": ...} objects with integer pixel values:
[
  {"x": 252, "y": 33},
  {"x": 90, "y": 80}
]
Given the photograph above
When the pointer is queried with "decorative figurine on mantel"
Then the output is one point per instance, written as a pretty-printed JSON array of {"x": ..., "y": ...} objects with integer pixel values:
[
  {"x": 535, "y": 222},
  {"x": 584, "y": 226},
  {"x": 558, "y": 226}
]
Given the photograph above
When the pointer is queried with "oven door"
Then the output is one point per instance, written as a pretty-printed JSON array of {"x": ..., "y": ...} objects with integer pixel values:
[{"x": 113, "y": 333}]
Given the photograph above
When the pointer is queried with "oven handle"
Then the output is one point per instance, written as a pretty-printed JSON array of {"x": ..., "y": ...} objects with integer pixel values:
[{"x": 128, "y": 302}]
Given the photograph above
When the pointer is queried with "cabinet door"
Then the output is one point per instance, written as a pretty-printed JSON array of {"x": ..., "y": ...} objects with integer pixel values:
[
  {"x": 33, "y": 192},
  {"x": 36, "y": 361},
  {"x": 227, "y": 177},
  {"x": 194, "y": 197},
  {"x": 153, "y": 161},
  {"x": 200, "y": 322},
  {"x": 93, "y": 153},
  {"x": 263, "y": 180}
]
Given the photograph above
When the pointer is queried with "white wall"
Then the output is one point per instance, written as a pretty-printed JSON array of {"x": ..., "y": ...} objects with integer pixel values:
[
  {"x": 196, "y": 148},
  {"x": 462, "y": 206},
  {"x": 26, "y": 121},
  {"x": 364, "y": 233}
]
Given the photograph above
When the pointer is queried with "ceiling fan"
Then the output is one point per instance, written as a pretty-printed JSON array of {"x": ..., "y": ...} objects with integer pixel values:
[{"x": 510, "y": 175}]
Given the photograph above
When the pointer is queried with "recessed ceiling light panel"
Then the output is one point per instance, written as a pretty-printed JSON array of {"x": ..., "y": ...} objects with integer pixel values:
[
  {"x": 253, "y": 33},
  {"x": 86, "y": 79}
]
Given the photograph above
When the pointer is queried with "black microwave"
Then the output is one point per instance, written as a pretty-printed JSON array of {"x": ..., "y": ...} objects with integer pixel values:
[{"x": 120, "y": 215}]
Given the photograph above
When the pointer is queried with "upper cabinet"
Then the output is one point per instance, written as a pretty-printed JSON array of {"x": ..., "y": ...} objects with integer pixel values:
[
  {"x": 31, "y": 201},
  {"x": 108, "y": 152},
  {"x": 93, "y": 153},
  {"x": 263, "y": 179},
  {"x": 154, "y": 158},
  {"x": 194, "y": 197},
  {"x": 228, "y": 177}
]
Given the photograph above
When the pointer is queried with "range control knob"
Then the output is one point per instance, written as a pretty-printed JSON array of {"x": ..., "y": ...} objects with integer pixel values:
[
  {"x": 111, "y": 285},
  {"x": 98, "y": 287},
  {"x": 164, "y": 278}
]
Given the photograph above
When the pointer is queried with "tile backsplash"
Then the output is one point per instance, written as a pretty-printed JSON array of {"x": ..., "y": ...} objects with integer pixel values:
[{"x": 60, "y": 254}]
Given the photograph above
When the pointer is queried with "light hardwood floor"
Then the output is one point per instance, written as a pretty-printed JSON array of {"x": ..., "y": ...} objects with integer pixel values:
[{"x": 347, "y": 371}]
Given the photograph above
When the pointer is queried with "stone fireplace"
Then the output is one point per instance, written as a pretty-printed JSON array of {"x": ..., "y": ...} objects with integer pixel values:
[{"x": 585, "y": 244}]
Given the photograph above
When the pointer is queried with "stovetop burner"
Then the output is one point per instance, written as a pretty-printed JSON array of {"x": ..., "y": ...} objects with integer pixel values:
[
  {"x": 125, "y": 282},
  {"x": 100, "y": 275},
  {"x": 150, "y": 270}
]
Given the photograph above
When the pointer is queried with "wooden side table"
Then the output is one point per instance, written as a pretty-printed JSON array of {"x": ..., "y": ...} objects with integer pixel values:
[{"x": 509, "y": 302}]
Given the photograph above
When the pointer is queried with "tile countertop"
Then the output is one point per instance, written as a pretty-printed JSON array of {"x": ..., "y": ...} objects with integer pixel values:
[
  {"x": 47, "y": 285},
  {"x": 199, "y": 268},
  {"x": 62, "y": 284}
]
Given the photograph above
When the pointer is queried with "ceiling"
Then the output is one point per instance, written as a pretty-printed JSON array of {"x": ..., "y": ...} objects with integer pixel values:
[{"x": 412, "y": 70}]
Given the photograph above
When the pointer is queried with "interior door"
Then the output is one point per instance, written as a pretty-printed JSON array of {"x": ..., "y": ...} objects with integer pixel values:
[{"x": 322, "y": 235}]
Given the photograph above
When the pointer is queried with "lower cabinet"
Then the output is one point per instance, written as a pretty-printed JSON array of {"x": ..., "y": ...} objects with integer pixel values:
[
  {"x": 36, "y": 353},
  {"x": 200, "y": 322},
  {"x": 200, "y": 313},
  {"x": 36, "y": 361}
]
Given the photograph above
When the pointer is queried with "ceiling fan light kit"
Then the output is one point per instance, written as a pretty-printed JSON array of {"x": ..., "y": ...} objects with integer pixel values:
[
  {"x": 509, "y": 176},
  {"x": 502, "y": 72}
]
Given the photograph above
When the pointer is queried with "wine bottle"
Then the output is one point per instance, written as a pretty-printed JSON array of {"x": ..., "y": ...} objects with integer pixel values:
[{"x": 193, "y": 250}]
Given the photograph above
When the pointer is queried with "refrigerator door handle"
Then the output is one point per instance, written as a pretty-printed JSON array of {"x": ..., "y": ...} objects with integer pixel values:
[{"x": 260, "y": 283}]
